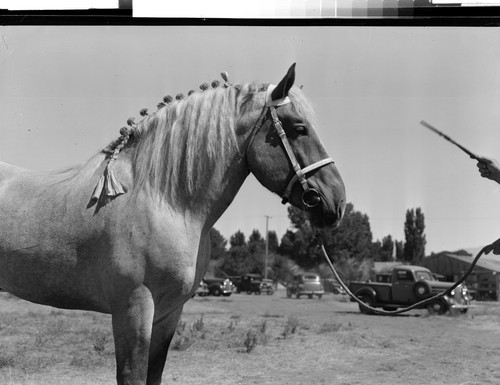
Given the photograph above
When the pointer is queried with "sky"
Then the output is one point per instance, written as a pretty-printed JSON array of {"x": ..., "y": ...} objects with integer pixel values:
[{"x": 66, "y": 91}]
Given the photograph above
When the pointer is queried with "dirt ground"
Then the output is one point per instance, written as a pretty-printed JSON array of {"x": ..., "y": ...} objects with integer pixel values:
[{"x": 248, "y": 339}]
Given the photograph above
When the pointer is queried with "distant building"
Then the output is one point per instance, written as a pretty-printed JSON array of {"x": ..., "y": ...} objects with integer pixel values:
[{"x": 484, "y": 281}]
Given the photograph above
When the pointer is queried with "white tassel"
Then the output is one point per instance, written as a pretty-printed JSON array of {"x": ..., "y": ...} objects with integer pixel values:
[{"x": 108, "y": 186}]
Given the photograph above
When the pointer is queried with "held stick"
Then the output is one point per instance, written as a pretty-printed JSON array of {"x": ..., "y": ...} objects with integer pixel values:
[{"x": 468, "y": 152}]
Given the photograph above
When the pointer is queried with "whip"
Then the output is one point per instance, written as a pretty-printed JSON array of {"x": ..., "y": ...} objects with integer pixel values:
[{"x": 442, "y": 134}]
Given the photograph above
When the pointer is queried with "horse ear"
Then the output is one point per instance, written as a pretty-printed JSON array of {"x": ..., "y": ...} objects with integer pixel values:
[{"x": 284, "y": 85}]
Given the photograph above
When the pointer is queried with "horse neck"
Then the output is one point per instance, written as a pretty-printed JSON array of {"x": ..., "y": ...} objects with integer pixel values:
[
  {"x": 236, "y": 170},
  {"x": 170, "y": 185}
]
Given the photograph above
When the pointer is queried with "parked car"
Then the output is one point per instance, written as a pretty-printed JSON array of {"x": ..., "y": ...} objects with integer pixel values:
[
  {"x": 219, "y": 286},
  {"x": 305, "y": 284},
  {"x": 332, "y": 286},
  {"x": 201, "y": 290},
  {"x": 254, "y": 283},
  {"x": 408, "y": 285}
]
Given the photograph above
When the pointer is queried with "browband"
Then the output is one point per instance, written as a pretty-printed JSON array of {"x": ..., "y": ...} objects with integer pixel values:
[{"x": 277, "y": 102}]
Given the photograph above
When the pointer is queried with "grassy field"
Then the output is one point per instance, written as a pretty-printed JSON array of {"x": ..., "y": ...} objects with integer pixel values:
[{"x": 248, "y": 339}]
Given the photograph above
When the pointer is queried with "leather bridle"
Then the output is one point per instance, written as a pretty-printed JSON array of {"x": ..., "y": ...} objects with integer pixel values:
[{"x": 310, "y": 196}]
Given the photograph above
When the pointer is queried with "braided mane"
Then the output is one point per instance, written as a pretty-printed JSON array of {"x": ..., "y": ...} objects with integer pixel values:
[{"x": 189, "y": 141}]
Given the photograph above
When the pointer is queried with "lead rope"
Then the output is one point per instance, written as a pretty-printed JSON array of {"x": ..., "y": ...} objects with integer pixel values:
[{"x": 405, "y": 309}]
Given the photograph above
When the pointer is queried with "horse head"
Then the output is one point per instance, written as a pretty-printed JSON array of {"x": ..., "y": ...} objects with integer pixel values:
[{"x": 286, "y": 155}]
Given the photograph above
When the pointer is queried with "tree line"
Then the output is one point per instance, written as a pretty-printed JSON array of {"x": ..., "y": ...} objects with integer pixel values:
[{"x": 351, "y": 247}]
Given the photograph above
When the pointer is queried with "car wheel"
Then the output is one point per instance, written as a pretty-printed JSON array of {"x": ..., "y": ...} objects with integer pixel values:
[
  {"x": 310, "y": 296},
  {"x": 421, "y": 290},
  {"x": 297, "y": 295},
  {"x": 270, "y": 292},
  {"x": 368, "y": 300},
  {"x": 217, "y": 292},
  {"x": 249, "y": 292},
  {"x": 438, "y": 307},
  {"x": 320, "y": 296}
]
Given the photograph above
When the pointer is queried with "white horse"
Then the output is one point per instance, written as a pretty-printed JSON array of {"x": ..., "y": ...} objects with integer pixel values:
[{"x": 139, "y": 254}]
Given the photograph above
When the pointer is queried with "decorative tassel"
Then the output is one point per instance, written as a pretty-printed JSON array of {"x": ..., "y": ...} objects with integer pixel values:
[
  {"x": 112, "y": 186},
  {"x": 108, "y": 186},
  {"x": 97, "y": 191}
]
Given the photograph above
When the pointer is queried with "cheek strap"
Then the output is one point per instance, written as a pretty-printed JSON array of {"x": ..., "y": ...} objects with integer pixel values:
[{"x": 300, "y": 173}]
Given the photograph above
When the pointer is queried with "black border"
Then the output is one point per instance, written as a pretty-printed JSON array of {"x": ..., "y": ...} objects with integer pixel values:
[{"x": 428, "y": 15}]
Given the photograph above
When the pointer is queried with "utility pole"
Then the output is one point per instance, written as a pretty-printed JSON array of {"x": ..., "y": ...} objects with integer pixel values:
[{"x": 267, "y": 245}]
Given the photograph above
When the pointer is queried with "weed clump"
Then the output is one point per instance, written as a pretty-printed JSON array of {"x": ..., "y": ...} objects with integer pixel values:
[
  {"x": 186, "y": 337},
  {"x": 251, "y": 340},
  {"x": 291, "y": 327},
  {"x": 333, "y": 327},
  {"x": 254, "y": 336}
]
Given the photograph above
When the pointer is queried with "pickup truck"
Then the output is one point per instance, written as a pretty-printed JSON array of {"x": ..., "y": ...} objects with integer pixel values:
[{"x": 406, "y": 286}]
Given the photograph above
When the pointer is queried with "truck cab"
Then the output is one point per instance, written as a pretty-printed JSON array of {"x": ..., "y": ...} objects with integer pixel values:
[{"x": 404, "y": 287}]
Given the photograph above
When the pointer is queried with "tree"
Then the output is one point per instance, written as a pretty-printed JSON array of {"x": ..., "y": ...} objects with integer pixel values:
[
  {"x": 272, "y": 241},
  {"x": 399, "y": 250},
  {"x": 244, "y": 256},
  {"x": 300, "y": 244},
  {"x": 256, "y": 244},
  {"x": 218, "y": 245},
  {"x": 281, "y": 268},
  {"x": 386, "y": 250},
  {"x": 237, "y": 239},
  {"x": 414, "y": 247},
  {"x": 353, "y": 239}
]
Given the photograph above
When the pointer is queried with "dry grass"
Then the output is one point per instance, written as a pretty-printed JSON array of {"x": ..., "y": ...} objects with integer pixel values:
[{"x": 271, "y": 340}]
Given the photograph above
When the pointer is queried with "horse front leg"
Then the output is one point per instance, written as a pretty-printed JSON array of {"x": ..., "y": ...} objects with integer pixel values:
[
  {"x": 132, "y": 321},
  {"x": 163, "y": 332}
]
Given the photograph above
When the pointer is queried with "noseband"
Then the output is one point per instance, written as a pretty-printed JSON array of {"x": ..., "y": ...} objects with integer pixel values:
[{"x": 310, "y": 196}]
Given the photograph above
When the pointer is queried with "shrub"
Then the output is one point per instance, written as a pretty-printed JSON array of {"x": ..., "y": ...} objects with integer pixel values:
[
  {"x": 199, "y": 325},
  {"x": 250, "y": 340},
  {"x": 291, "y": 326},
  {"x": 187, "y": 337}
]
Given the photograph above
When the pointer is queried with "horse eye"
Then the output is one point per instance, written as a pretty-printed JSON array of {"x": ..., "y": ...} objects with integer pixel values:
[{"x": 300, "y": 128}]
